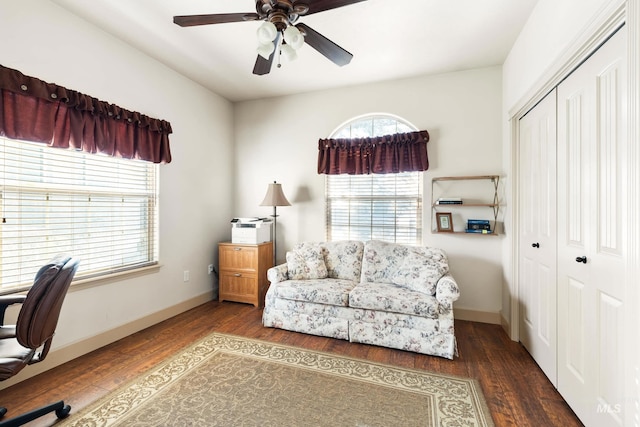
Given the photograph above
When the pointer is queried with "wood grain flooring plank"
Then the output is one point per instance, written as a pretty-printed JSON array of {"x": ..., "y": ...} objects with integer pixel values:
[{"x": 516, "y": 390}]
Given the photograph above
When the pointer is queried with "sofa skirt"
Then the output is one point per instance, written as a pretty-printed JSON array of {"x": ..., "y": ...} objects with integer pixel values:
[
  {"x": 394, "y": 330},
  {"x": 308, "y": 323},
  {"x": 417, "y": 341}
]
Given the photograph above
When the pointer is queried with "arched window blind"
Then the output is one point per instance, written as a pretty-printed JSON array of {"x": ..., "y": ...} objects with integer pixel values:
[{"x": 374, "y": 206}]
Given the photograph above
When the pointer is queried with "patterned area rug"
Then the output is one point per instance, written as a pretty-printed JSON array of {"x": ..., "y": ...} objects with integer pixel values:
[{"x": 226, "y": 380}]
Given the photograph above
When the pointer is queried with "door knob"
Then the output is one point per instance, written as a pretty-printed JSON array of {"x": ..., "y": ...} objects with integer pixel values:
[
  {"x": 582, "y": 259},
  {"x": 535, "y": 245}
]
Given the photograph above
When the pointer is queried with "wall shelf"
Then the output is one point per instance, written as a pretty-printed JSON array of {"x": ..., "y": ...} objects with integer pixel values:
[{"x": 478, "y": 198}]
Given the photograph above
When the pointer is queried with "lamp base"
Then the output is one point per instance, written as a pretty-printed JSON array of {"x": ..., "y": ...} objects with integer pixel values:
[{"x": 275, "y": 235}]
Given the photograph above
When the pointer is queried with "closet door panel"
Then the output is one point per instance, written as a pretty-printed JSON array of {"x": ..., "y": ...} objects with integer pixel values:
[
  {"x": 609, "y": 265},
  {"x": 591, "y": 264},
  {"x": 537, "y": 234}
]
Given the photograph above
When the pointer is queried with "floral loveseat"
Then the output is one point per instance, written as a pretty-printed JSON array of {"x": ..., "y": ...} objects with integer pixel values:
[{"x": 379, "y": 293}]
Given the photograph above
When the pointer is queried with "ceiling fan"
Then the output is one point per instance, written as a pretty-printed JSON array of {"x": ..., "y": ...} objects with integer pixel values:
[{"x": 281, "y": 17}]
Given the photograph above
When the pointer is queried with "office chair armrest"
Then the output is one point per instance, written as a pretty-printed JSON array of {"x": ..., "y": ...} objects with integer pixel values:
[{"x": 6, "y": 301}]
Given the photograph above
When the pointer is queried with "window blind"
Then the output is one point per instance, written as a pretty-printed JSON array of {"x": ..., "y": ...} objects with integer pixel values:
[
  {"x": 100, "y": 209},
  {"x": 381, "y": 207},
  {"x": 375, "y": 206}
]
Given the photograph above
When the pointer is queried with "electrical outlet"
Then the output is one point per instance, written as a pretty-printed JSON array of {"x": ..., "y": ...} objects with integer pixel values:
[
  {"x": 185, "y": 275},
  {"x": 210, "y": 269}
]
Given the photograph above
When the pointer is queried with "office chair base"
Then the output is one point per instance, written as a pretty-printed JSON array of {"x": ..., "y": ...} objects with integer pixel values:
[{"x": 61, "y": 410}]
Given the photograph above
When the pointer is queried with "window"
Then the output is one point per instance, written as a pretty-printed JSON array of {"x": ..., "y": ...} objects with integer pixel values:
[
  {"x": 377, "y": 206},
  {"x": 100, "y": 209}
]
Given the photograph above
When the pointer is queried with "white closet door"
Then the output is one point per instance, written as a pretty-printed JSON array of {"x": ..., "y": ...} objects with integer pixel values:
[
  {"x": 537, "y": 251},
  {"x": 591, "y": 232}
]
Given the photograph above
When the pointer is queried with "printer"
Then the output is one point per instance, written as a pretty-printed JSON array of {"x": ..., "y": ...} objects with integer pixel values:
[{"x": 250, "y": 230}]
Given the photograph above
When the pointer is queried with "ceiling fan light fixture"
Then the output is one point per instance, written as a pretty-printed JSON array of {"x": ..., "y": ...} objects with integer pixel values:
[
  {"x": 267, "y": 32},
  {"x": 293, "y": 37},
  {"x": 288, "y": 52},
  {"x": 266, "y": 49}
]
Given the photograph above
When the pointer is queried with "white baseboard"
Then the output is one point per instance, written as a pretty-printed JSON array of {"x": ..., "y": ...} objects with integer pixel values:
[
  {"x": 505, "y": 325},
  {"x": 65, "y": 354},
  {"x": 477, "y": 316}
]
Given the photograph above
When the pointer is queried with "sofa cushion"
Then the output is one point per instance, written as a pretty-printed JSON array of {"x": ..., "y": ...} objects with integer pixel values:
[
  {"x": 381, "y": 260},
  {"x": 306, "y": 262},
  {"x": 420, "y": 272},
  {"x": 315, "y": 309},
  {"x": 322, "y": 291},
  {"x": 393, "y": 298},
  {"x": 343, "y": 259}
]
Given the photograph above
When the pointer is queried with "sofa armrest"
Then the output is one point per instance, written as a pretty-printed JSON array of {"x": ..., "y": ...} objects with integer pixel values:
[
  {"x": 447, "y": 290},
  {"x": 279, "y": 273}
]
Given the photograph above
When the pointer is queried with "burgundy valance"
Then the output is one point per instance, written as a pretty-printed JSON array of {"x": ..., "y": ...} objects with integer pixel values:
[
  {"x": 400, "y": 152},
  {"x": 33, "y": 110}
]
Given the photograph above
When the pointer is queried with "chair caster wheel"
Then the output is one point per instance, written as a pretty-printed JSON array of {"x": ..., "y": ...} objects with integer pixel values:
[{"x": 63, "y": 412}]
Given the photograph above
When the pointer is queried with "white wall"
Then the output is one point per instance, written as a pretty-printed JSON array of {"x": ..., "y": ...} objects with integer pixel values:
[
  {"x": 42, "y": 40},
  {"x": 548, "y": 33},
  {"x": 548, "y": 36},
  {"x": 276, "y": 139}
]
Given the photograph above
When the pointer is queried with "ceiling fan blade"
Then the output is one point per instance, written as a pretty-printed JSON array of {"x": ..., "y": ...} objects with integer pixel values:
[
  {"x": 219, "y": 18},
  {"x": 332, "y": 51},
  {"x": 263, "y": 66},
  {"x": 322, "y": 5}
]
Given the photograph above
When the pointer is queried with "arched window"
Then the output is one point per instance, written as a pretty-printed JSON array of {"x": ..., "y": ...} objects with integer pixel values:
[{"x": 376, "y": 206}]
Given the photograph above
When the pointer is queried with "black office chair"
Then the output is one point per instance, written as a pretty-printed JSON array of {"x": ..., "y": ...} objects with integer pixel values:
[{"x": 29, "y": 340}]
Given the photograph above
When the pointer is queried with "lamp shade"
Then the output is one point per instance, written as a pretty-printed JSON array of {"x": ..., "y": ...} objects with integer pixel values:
[
  {"x": 266, "y": 49},
  {"x": 267, "y": 32},
  {"x": 275, "y": 196},
  {"x": 288, "y": 52},
  {"x": 293, "y": 37}
]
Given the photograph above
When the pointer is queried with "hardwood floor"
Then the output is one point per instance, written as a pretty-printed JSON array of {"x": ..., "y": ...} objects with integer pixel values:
[{"x": 516, "y": 390}]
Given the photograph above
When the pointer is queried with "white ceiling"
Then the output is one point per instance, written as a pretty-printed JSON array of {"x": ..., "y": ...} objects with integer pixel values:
[{"x": 390, "y": 39}]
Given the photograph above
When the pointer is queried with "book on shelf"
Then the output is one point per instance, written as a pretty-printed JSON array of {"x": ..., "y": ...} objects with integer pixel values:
[
  {"x": 449, "y": 201},
  {"x": 478, "y": 224},
  {"x": 481, "y": 226},
  {"x": 478, "y": 230}
]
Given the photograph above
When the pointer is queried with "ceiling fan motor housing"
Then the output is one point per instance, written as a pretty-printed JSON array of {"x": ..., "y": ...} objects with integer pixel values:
[{"x": 281, "y": 13}]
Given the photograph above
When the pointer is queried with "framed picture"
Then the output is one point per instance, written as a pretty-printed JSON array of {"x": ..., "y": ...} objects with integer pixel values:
[{"x": 444, "y": 222}]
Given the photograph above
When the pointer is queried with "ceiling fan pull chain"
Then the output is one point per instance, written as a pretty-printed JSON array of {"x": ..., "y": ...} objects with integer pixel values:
[{"x": 279, "y": 48}]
